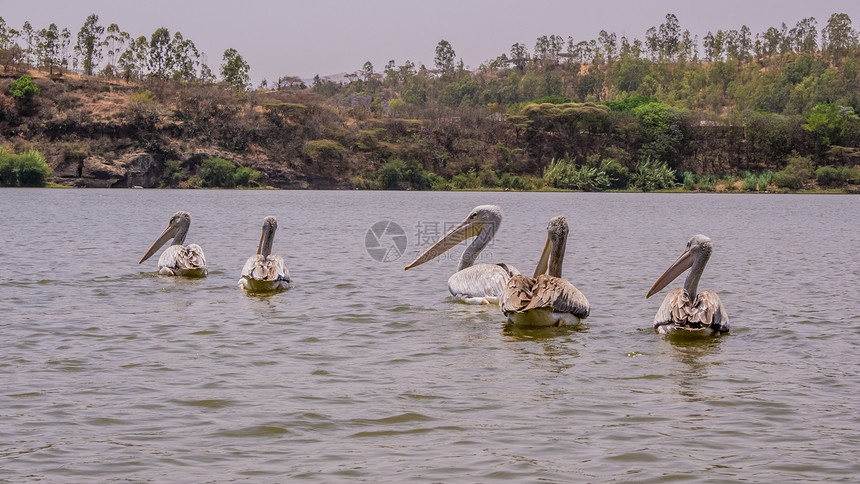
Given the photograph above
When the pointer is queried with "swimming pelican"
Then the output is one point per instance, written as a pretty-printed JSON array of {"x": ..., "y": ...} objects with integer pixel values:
[
  {"x": 263, "y": 271},
  {"x": 473, "y": 283},
  {"x": 679, "y": 310},
  {"x": 178, "y": 260},
  {"x": 545, "y": 299}
]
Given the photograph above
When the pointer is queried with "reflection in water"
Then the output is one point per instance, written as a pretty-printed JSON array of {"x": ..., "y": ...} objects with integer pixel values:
[
  {"x": 363, "y": 372},
  {"x": 694, "y": 352},
  {"x": 554, "y": 347},
  {"x": 519, "y": 333}
]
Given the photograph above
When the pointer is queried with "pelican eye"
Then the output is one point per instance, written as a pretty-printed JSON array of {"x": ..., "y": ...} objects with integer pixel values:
[{"x": 473, "y": 215}]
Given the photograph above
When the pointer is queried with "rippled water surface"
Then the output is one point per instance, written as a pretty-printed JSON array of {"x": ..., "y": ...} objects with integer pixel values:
[{"x": 363, "y": 372}]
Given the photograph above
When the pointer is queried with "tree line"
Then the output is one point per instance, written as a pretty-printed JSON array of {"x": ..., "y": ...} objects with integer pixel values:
[
  {"x": 735, "y": 110},
  {"x": 113, "y": 53}
]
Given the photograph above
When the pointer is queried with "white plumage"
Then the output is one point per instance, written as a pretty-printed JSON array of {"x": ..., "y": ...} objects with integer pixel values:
[
  {"x": 473, "y": 283},
  {"x": 681, "y": 310},
  {"x": 264, "y": 271},
  {"x": 178, "y": 259}
]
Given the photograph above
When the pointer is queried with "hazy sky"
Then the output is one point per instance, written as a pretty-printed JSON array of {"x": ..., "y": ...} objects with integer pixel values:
[{"x": 307, "y": 37}]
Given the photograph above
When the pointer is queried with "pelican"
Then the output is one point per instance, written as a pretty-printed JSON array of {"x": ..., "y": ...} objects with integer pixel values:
[
  {"x": 473, "y": 283},
  {"x": 263, "y": 271},
  {"x": 545, "y": 299},
  {"x": 680, "y": 311},
  {"x": 178, "y": 260}
]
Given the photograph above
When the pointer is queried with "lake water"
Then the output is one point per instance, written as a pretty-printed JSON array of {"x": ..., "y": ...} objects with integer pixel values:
[{"x": 364, "y": 372}]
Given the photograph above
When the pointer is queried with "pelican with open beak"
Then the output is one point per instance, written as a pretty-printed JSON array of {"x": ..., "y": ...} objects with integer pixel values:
[
  {"x": 264, "y": 271},
  {"x": 178, "y": 260},
  {"x": 684, "y": 308},
  {"x": 473, "y": 283},
  {"x": 546, "y": 299}
]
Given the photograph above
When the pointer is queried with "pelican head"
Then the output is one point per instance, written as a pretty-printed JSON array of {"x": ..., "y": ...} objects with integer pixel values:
[
  {"x": 482, "y": 222},
  {"x": 270, "y": 224},
  {"x": 552, "y": 256},
  {"x": 176, "y": 229},
  {"x": 697, "y": 253}
]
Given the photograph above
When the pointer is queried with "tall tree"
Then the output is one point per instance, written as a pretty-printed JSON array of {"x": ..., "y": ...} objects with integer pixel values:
[
  {"x": 160, "y": 61},
  {"x": 7, "y": 35},
  {"x": 234, "y": 70},
  {"x": 184, "y": 58},
  {"x": 744, "y": 40},
  {"x": 65, "y": 48},
  {"x": 89, "y": 43},
  {"x": 772, "y": 39},
  {"x": 519, "y": 56},
  {"x": 805, "y": 35},
  {"x": 785, "y": 47},
  {"x": 132, "y": 62},
  {"x": 116, "y": 42},
  {"x": 28, "y": 34},
  {"x": 391, "y": 72},
  {"x": 670, "y": 37},
  {"x": 406, "y": 71},
  {"x": 367, "y": 71},
  {"x": 608, "y": 45},
  {"x": 652, "y": 43},
  {"x": 838, "y": 35},
  {"x": 444, "y": 58},
  {"x": 689, "y": 50},
  {"x": 48, "y": 48}
]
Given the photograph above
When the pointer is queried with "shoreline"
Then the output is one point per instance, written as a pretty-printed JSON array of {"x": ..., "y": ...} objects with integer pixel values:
[{"x": 818, "y": 191}]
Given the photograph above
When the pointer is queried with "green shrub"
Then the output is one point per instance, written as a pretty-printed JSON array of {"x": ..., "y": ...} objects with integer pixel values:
[
  {"x": 689, "y": 180},
  {"x": 246, "y": 177},
  {"x": 323, "y": 149},
  {"x": 397, "y": 174},
  {"x": 757, "y": 181},
  {"x": 765, "y": 178},
  {"x": 800, "y": 166},
  {"x": 619, "y": 175},
  {"x": 796, "y": 172},
  {"x": 513, "y": 182},
  {"x": 142, "y": 97},
  {"x": 563, "y": 173},
  {"x": 390, "y": 174},
  {"x": 629, "y": 104},
  {"x": 27, "y": 169},
  {"x": 653, "y": 175},
  {"x": 785, "y": 179},
  {"x": 440, "y": 183},
  {"x": 417, "y": 178},
  {"x": 218, "y": 172},
  {"x": 468, "y": 180},
  {"x": 829, "y": 176},
  {"x": 172, "y": 176},
  {"x": 707, "y": 183},
  {"x": 23, "y": 88},
  {"x": 553, "y": 99},
  {"x": 487, "y": 177}
]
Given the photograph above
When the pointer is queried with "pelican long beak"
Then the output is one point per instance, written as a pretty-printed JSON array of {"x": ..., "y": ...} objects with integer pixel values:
[
  {"x": 467, "y": 228},
  {"x": 168, "y": 234},
  {"x": 684, "y": 262},
  {"x": 543, "y": 263},
  {"x": 260, "y": 246}
]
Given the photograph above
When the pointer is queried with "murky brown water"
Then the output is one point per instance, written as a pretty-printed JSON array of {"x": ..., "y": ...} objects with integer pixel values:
[{"x": 366, "y": 373}]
